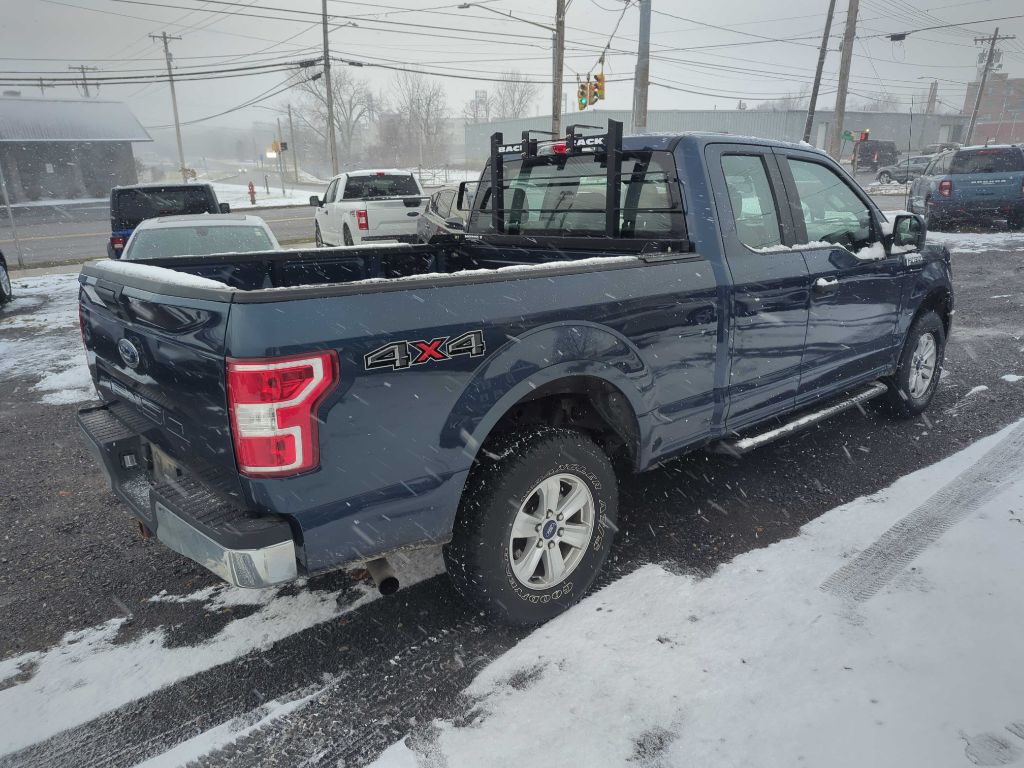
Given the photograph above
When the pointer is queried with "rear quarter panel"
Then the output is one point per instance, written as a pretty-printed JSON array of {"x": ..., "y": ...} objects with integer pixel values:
[{"x": 396, "y": 445}]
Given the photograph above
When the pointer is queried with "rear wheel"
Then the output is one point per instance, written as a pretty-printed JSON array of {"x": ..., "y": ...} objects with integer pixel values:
[
  {"x": 318, "y": 237},
  {"x": 913, "y": 386},
  {"x": 885, "y": 177},
  {"x": 534, "y": 526},
  {"x": 6, "y": 292},
  {"x": 348, "y": 236}
]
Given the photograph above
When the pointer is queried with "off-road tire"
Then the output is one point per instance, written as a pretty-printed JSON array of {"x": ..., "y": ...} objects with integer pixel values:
[
  {"x": 511, "y": 468},
  {"x": 899, "y": 400},
  {"x": 318, "y": 237},
  {"x": 348, "y": 236}
]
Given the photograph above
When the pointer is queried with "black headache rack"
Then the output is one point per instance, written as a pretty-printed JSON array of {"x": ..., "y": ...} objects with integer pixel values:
[{"x": 606, "y": 148}]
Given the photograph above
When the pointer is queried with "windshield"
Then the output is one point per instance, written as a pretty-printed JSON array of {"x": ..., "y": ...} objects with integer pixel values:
[
  {"x": 995, "y": 160},
  {"x": 381, "y": 185},
  {"x": 567, "y": 195},
  {"x": 132, "y": 206},
  {"x": 164, "y": 242}
]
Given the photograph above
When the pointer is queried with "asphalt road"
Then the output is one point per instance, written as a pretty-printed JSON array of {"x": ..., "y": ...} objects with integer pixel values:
[
  {"x": 77, "y": 240},
  {"x": 71, "y": 560}
]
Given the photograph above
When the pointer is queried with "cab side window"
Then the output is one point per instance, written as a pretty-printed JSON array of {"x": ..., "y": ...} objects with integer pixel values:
[
  {"x": 753, "y": 204},
  {"x": 332, "y": 190},
  {"x": 832, "y": 212}
]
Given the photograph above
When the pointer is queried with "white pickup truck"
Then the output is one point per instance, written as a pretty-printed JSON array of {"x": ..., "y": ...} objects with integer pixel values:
[{"x": 367, "y": 206}]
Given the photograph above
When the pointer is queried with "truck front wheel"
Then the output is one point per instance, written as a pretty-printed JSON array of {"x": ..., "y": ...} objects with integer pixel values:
[
  {"x": 920, "y": 365},
  {"x": 535, "y": 524}
]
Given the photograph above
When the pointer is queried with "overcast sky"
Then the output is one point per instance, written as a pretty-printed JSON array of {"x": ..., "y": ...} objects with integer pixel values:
[{"x": 739, "y": 57}]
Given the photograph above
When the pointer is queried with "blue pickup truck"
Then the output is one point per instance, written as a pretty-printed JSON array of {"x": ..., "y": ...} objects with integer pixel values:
[
  {"x": 613, "y": 302},
  {"x": 972, "y": 185}
]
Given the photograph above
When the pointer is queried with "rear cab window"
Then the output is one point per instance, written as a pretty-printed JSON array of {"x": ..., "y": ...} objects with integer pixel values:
[
  {"x": 988, "y": 160},
  {"x": 196, "y": 240},
  {"x": 380, "y": 185},
  {"x": 132, "y": 206},
  {"x": 567, "y": 194}
]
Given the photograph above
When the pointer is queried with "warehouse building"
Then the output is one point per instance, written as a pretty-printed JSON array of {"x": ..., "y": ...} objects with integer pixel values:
[{"x": 53, "y": 149}]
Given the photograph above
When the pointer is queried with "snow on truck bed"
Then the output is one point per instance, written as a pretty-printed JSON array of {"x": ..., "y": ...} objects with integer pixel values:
[{"x": 162, "y": 274}]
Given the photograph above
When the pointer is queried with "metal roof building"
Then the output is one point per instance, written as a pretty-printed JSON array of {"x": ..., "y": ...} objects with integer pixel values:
[{"x": 66, "y": 149}]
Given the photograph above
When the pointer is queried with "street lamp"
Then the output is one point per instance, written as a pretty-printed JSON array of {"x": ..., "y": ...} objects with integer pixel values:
[{"x": 557, "y": 53}]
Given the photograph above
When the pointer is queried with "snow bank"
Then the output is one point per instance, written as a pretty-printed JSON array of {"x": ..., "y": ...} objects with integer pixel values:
[
  {"x": 979, "y": 242},
  {"x": 149, "y": 272},
  {"x": 761, "y": 665}
]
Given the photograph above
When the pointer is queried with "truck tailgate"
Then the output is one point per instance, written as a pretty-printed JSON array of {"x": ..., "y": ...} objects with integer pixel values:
[
  {"x": 163, "y": 356},
  {"x": 399, "y": 215}
]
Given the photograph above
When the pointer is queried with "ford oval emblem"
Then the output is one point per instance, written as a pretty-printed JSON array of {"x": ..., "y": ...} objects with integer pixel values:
[{"x": 129, "y": 353}]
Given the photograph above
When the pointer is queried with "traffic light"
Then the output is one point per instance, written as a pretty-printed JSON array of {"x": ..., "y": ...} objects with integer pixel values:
[
  {"x": 598, "y": 89},
  {"x": 865, "y": 134},
  {"x": 275, "y": 147},
  {"x": 583, "y": 95},
  {"x": 284, "y": 146}
]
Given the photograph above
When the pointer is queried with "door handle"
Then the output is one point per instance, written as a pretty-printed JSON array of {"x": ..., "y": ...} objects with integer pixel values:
[{"x": 824, "y": 285}]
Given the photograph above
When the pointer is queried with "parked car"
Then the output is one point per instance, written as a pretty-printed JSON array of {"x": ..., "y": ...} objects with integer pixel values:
[
  {"x": 872, "y": 154},
  {"x": 199, "y": 235},
  {"x": 130, "y": 205},
  {"x": 368, "y": 206},
  {"x": 904, "y": 171},
  {"x": 442, "y": 217},
  {"x": 972, "y": 185},
  {"x": 6, "y": 292},
  {"x": 650, "y": 296}
]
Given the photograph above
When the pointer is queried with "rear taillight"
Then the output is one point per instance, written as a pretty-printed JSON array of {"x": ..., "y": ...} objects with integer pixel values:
[
  {"x": 362, "y": 220},
  {"x": 946, "y": 187},
  {"x": 273, "y": 404},
  {"x": 117, "y": 243}
]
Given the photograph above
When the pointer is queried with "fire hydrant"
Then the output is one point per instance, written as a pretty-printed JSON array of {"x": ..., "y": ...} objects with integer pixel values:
[{"x": 252, "y": 193}]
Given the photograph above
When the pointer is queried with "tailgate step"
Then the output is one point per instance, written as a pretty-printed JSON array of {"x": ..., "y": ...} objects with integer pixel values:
[{"x": 741, "y": 445}]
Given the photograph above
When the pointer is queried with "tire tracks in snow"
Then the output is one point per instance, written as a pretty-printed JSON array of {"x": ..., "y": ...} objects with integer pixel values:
[{"x": 872, "y": 569}]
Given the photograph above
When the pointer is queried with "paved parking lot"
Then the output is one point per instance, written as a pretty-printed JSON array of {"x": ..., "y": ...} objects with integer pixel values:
[{"x": 115, "y": 650}]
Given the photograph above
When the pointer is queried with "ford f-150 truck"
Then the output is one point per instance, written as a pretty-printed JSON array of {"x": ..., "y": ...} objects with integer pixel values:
[
  {"x": 613, "y": 302},
  {"x": 367, "y": 206}
]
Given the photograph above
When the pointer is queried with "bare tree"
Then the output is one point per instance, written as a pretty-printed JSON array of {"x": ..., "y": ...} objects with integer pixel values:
[
  {"x": 354, "y": 107},
  {"x": 881, "y": 102},
  {"x": 421, "y": 106},
  {"x": 513, "y": 96},
  {"x": 479, "y": 109},
  {"x": 798, "y": 100}
]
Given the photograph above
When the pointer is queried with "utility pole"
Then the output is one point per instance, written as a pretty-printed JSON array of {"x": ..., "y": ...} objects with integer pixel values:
[
  {"x": 984, "y": 76},
  {"x": 10, "y": 217},
  {"x": 174, "y": 99},
  {"x": 332, "y": 142},
  {"x": 933, "y": 97},
  {"x": 642, "y": 78},
  {"x": 292, "y": 145},
  {"x": 557, "y": 67},
  {"x": 822, "y": 52},
  {"x": 844, "y": 79},
  {"x": 85, "y": 82},
  {"x": 280, "y": 156}
]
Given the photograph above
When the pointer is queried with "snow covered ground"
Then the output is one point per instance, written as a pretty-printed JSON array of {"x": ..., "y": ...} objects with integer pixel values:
[
  {"x": 92, "y": 671},
  {"x": 888, "y": 633},
  {"x": 45, "y": 311},
  {"x": 979, "y": 242},
  {"x": 237, "y": 195}
]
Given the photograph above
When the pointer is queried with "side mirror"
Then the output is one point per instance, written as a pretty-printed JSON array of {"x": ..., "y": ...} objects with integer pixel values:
[
  {"x": 909, "y": 230},
  {"x": 454, "y": 222},
  {"x": 225, "y": 208},
  {"x": 315, "y": 201}
]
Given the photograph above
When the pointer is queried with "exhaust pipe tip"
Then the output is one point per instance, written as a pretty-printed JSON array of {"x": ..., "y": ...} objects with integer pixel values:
[{"x": 383, "y": 576}]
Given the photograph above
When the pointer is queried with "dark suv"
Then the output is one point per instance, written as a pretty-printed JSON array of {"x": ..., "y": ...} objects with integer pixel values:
[
  {"x": 138, "y": 202},
  {"x": 5, "y": 282}
]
